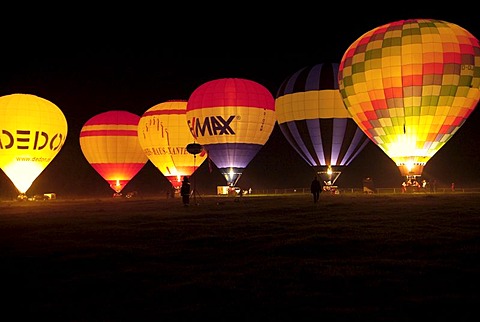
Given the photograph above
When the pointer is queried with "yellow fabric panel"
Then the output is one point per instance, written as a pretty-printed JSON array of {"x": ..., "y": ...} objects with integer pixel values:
[
  {"x": 109, "y": 127},
  {"x": 310, "y": 105},
  {"x": 112, "y": 149}
]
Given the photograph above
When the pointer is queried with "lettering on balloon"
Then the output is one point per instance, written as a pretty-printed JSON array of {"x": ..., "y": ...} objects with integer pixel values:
[
  {"x": 166, "y": 151},
  {"x": 147, "y": 152},
  {"x": 26, "y": 139},
  {"x": 27, "y": 159},
  {"x": 263, "y": 119},
  {"x": 213, "y": 125}
]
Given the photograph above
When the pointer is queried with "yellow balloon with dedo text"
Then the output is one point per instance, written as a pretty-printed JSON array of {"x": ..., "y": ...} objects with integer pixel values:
[{"x": 32, "y": 132}]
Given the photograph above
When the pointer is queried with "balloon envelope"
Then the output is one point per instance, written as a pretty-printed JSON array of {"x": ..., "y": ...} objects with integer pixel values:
[
  {"x": 312, "y": 117},
  {"x": 410, "y": 85},
  {"x": 232, "y": 118},
  {"x": 109, "y": 142},
  {"x": 164, "y": 135},
  {"x": 33, "y": 130}
]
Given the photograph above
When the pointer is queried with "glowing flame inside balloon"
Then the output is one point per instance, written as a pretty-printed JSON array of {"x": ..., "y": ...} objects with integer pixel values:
[{"x": 33, "y": 132}]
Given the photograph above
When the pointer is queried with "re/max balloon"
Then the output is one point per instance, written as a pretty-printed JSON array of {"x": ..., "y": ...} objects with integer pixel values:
[
  {"x": 232, "y": 118},
  {"x": 109, "y": 142},
  {"x": 312, "y": 117},
  {"x": 410, "y": 85},
  {"x": 32, "y": 132},
  {"x": 164, "y": 134}
]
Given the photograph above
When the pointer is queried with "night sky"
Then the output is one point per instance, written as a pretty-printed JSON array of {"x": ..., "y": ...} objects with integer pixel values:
[{"x": 94, "y": 64}]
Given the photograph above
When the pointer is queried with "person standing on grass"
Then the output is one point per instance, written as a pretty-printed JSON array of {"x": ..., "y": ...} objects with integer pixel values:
[
  {"x": 315, "y": 188},
  {"x": 185, "y": 191}
]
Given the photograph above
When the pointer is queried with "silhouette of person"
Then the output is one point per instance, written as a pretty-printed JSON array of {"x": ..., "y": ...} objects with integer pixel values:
[
  {"x": 315, "y": 188},
  {"x": 185, "y": 191}
]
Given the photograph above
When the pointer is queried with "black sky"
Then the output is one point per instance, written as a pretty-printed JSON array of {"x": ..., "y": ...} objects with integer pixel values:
[{"x": 93, "y": 63}]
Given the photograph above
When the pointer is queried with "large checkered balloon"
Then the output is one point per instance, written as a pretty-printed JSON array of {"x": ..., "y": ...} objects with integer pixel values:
[{"x": 410, "y": 85}]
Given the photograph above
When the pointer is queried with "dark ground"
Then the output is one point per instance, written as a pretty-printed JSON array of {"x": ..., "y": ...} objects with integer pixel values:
[{"x": 356, "y": 257}]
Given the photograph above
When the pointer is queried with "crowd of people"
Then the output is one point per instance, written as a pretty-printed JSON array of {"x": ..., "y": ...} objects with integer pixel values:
[{"x": 414, "y": 185}]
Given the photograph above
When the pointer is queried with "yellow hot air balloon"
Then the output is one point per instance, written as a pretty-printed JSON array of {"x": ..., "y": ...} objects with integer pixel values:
[
  {"x": 32, "y": 132},
  {"x": 164, "y": 134},
  {"x": 110, "y": 144},
  {"x": 410, "y": 85}
]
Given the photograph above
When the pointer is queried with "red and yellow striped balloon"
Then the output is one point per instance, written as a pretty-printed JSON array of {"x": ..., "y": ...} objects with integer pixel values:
[
  {"x": 410, "y": 85},
  {"x": 232, "y": 118},
  {"x": 109, "y": 142}
]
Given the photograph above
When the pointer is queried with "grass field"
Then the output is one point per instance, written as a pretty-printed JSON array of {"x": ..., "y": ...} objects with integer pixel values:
[{"x": 259, "y": 258}]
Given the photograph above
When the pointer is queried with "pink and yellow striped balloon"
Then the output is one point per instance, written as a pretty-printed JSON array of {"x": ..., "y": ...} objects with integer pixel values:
[
  {"x": 232, "y": 118},
  {"x": 410, "y": 85},
  {"x": 109, "y": 142}
]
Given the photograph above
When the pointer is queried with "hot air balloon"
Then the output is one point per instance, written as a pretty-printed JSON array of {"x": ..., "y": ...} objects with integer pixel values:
[
  {"x": 312, "y": 117},
  {"x": 109, "y": 142},
  {"x": 410, "y": 85},
  {"x": 232, "y": 118},
  {"x": 33, "y": 130},
  {"x": 164, "y": 135}
]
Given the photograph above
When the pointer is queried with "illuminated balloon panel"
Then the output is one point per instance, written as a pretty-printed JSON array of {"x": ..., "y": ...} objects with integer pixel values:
[
  {"x": 410, "y": 85},
  {"x": 164, "y": 134},
  {"x": 32, "y": 132},
  {"x": 232, "y": 118},
  {"x": 109, "y": 142},
  {"x": 312, "y": 117}
]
